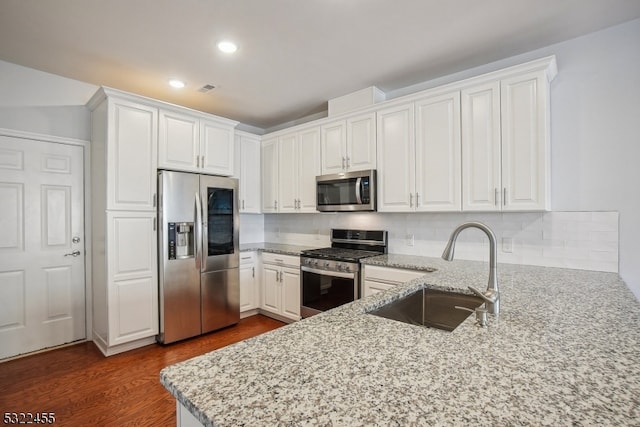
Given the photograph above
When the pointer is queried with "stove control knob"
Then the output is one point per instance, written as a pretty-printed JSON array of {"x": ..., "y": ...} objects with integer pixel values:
[
  {"x": 346, "y": 267},
  {"x": 315, "y": 263},
  {"x": 327, "y": 264}
]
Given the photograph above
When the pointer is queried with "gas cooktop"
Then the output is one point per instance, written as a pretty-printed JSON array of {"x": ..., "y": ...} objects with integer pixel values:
[{"x": 339, "y": 254}]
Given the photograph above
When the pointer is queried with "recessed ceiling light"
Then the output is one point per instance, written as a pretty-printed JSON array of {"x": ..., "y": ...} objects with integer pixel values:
[
  {"x": 175, "y": 83},
  {"x": 227, "y": 46}
]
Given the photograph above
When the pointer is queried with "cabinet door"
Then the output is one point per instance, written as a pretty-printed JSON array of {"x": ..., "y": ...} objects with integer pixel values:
[
  {"x": 334, "y": 147},
  {"x": 288, "y": 173},
  {"x": 271, "y": 290},
  {"x": 290, "y": 282},
  {"x": 132, "y": 276},
  {"x": 525, "y": 142},
  {"x": 270, "y": 175},
  {"x": 248, "y": 289},
  {"x": 249, "y": 174},
  {"x": 396, "y": 163},
  {"x": 481, "y": 186},
  {"x": 361, "y": 142},
  {"x": 131, "y": 153},
  {"x": 438, "y": 160},
  {"x": 216, "y": 148},
  {"x": 308, "y": 168},
  {"x": 178, "y": 141}
]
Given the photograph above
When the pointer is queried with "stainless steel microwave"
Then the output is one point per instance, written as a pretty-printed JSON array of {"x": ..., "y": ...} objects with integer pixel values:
[{"x": 346, "y": 191}]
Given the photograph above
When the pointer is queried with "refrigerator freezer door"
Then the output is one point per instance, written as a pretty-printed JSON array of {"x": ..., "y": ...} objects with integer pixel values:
[{"x": 220, "y": 299}]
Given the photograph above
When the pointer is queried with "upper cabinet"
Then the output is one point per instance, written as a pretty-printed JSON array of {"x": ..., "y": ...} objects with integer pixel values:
[
  {"x": 128, "y": 131},
  {"x": 349, "y": 145},
  {"x": 247, "y": 170},
  {"x": 478, "y": 145},
  {"x": 193, "y": 142},
  {"x": 506, "y": 144},
  {"x": 289, "y": 181}
]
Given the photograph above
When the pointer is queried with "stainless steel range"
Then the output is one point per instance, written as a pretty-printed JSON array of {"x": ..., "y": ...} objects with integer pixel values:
[{"x": 331, "y": 276}]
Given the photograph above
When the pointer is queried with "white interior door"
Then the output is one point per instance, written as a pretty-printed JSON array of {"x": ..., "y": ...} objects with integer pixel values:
[{"x": 42, "y": 284}]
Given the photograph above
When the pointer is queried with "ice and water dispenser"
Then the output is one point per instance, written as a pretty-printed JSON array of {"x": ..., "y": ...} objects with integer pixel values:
[{"x": 181, "y": 240}]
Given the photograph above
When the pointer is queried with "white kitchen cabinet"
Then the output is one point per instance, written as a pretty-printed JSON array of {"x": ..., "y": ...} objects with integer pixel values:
[
  {"x": 280, "y": 294},
  {"x": 438, "y": 153},
  {"x": 525, "y": 109},
  {"x": 270, "y": 175},
  {"x": 505, "y": 144},
  {"x": 396, "y": 162},
  {"x": 249, "y": 281},
  {"x": 129, "y": 133},
  {"x": 298, "y": 160},
  {"x": 132, "y": 275},
  {"x": 481, "y": 157},
  {"x": 290, "y": 164},
  {"x": 195, "y": 143},
  {"x": 349, "y": 145},
  {"x": 247, "y": 170},
  {"x": 379, "y": 279},
  {"x": 419, "y": 166},
  {"x": 124, "y": 241}
]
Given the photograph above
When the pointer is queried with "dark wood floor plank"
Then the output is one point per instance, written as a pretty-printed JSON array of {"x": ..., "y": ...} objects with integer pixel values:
[{"x": 82, "y": 387}]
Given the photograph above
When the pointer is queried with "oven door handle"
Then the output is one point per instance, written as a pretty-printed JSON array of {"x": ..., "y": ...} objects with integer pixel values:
[{"x": 329, "y": 273}]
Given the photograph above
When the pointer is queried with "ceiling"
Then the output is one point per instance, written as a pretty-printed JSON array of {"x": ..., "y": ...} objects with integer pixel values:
[{"x": 293, "y": 55}]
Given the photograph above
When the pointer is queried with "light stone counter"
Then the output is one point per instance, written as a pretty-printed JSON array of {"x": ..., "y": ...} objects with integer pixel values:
[
  {"x": 565, "y": 351},
  {"x": 275, "y": 248}
]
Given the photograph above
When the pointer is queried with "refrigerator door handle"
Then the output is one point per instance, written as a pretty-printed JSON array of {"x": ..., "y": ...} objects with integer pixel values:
[{"x": 198, "y": 230}]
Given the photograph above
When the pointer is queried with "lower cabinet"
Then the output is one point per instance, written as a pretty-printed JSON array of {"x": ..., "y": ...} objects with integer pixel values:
[
  {"x": 280, "y": 294},
  {"x": 379, "y": 279},
  {"x": 125, "y": 281},
  {"x": 249, "y": 284}
]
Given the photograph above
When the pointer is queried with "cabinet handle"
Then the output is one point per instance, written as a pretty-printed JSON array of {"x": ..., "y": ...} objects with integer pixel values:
[
  {"x": 504, "y": 196},
  {"x": 410, "y": 200},
  {"x": 275, "y": 205},
  {"x": 495, "y": 197},
  {"x": 154, "y": 200},
  {"x": 242, "y": 204},
  {"x": 348, "y": 162},
  {"x": 417, "y": 199},
  {"x": 253, "y": 272},
  {"x": 343, "y": 162},
  {"x": 154, "y": 224},
  {"x": 202, "y": 162}
]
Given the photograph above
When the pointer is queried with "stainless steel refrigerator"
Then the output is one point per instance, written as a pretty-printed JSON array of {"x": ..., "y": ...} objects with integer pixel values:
[{"x": 198, "y": 254}]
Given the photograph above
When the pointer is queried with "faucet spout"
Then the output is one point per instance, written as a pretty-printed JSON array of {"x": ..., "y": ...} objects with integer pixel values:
[{"x": 492, "y": 295}]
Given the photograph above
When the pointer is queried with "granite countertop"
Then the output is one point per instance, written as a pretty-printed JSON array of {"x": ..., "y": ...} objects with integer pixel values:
[
  {"x": 275, "y": 248},
  {"x": 565, "y": 351}
]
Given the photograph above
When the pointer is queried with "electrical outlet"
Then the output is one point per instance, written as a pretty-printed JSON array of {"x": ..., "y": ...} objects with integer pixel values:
[
  {"x": 410, "y": 240},
  {"x": 507, "y": 245}
]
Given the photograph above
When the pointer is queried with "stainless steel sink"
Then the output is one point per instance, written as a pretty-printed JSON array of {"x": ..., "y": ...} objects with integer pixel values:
[{"x": 432, "y": 308}]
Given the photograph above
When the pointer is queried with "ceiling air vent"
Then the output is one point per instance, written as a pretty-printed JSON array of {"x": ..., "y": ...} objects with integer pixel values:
[{"x": 206, "y": 88}]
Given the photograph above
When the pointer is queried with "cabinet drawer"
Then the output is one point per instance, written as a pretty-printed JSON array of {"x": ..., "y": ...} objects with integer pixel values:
[
  {"x": 247, "y": 258},
  {"x": 278, "y": 259},
  {"x": 390, "y": 275}
]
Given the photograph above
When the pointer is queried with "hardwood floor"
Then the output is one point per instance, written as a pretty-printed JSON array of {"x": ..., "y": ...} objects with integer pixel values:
[{"x": 84, "y": 388}]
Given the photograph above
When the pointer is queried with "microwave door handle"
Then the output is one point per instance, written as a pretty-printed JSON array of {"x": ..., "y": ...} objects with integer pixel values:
[
  {"x": 198, "y": 230},
  {"x": 358, "y": 194}
]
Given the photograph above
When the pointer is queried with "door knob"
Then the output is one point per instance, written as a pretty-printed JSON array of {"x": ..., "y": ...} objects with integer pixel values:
[
  {"x": 73, "y": 254},
  {"x": 75, "y": 239}
]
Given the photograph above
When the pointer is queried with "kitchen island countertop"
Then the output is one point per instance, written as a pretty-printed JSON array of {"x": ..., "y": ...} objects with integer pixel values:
[{"x": 565, "y": 351}]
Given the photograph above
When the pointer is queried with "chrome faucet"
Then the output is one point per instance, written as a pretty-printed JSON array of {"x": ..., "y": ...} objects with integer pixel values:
[{"x": 491, "y": 296}]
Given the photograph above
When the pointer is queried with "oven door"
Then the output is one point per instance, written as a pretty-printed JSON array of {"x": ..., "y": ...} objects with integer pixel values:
[{"x": 323, "y": 290}]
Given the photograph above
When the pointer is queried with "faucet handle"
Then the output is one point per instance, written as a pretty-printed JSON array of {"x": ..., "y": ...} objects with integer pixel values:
[{"x": 490, "y": 295}]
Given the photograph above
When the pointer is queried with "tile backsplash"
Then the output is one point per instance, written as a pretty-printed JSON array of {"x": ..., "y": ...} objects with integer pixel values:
[{"x": 580, "y": 240}]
